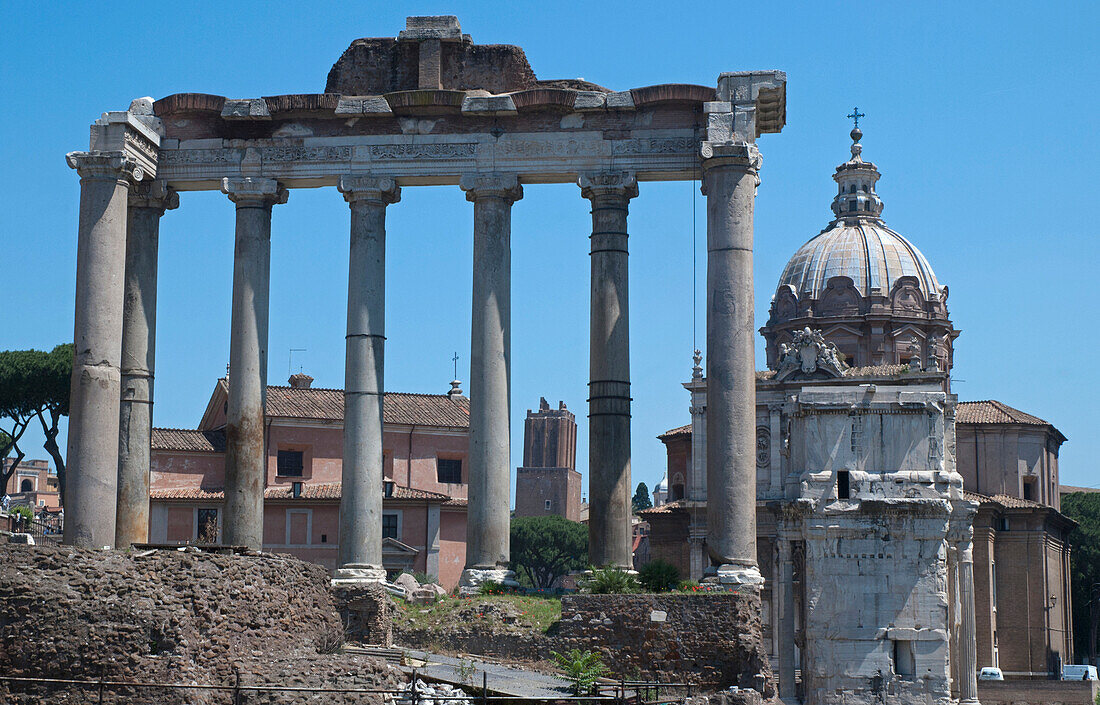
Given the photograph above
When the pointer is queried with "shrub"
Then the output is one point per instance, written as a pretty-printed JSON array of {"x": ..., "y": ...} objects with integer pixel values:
[
  {"x": 491, "y": 587},
  {"x": 582, "y": 668},
  {"x": 659, "y": 576},
  {"x": 609, "y": 581},
  {"x": 425, "y": 579},
  {"x": 24, "y": 511}
]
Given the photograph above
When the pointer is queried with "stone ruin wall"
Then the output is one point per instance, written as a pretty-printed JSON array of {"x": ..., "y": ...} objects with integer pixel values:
[
  {"x": 171, "y": 616},
  {"x": 713, "y": 640}
]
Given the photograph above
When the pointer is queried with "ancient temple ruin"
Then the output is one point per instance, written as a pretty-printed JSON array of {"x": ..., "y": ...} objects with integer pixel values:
[{"x": 428, "y": 107}]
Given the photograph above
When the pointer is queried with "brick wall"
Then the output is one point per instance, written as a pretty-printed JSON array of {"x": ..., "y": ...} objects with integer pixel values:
[
  {"x": 712, "y": 639},
  {"x": 1037, "y": 692}
]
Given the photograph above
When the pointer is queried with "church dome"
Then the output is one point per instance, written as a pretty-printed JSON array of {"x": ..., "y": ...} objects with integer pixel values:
[
  {"x": 868, "y": 289},
  {"x": 872, "y": 255}
]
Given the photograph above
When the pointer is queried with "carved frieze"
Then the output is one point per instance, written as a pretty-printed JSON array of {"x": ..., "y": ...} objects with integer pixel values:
[
  {"x": 444, "y": 150},
  {"x": 305, "y": 154}
]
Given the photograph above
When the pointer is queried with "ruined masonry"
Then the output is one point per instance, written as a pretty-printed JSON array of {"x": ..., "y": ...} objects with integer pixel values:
[{"x": 428, "y": 107}]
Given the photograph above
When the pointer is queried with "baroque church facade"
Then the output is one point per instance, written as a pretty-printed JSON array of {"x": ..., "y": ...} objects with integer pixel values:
[{"x": 899, "y": 530}]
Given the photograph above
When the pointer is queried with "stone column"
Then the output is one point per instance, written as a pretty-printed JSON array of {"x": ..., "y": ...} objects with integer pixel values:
[
  {"x": 487, "y": 523},
  {"x": 968, "y": 628},
  {"x": 786, "y": 617},
  {"x": 245, "y": 460},
  {"x": 729, "y": 182},
  {"x": 92, "y": 478},
  {"x": 148, "y": 202},
  {"x": 609, "y": 491},
  {"x": 361, "y": 475}
]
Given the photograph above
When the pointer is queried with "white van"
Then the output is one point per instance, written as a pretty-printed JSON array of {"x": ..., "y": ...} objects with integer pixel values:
[
  {"x": 1078, "y": 672},
  {"x": 991, "y": 673}
]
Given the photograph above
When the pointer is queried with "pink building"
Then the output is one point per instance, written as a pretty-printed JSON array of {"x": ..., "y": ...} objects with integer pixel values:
[
  {"x": 34, "y": 483},
  {"x": 425, "y": 444}
]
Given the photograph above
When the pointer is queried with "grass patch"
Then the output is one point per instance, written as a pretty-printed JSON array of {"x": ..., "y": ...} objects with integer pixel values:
[{"x": 536, "y": 614}]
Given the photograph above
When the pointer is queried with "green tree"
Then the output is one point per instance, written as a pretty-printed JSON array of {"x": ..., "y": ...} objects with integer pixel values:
[
  {"x": 34, "y": 385},
  {"x": 548, "y": 547},
  {"x": 641, "y": 498},
  {"x": 1084, "y": 508}
]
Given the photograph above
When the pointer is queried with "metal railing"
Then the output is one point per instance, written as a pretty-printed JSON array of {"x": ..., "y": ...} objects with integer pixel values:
[{"x": 42, "y": 532}]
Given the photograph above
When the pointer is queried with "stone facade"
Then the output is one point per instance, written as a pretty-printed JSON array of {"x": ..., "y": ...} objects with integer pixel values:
[
  {"x": 712, "y": 640},
  {"x": 548, "y": 482}
]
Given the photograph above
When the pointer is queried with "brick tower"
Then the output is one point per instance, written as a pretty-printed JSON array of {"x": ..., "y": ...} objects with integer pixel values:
[{"x": 548, "y": 482}]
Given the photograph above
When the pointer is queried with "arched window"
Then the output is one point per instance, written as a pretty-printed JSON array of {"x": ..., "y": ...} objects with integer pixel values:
[{"x": 26, "y": 485}]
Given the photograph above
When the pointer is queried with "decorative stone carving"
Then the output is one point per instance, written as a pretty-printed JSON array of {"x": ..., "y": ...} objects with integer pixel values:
[
  {"x": 608, "y": 183},
  {"x": 478, "y": 186},
  {"x": 369, "y": 188},
  {"x": 154, "y": 194},
  {"x": 763, "y": 447},
  {"x": 809, "y": 354},
  {"x": 103, "y": 165},
  {"x": 248, "y": 189}
]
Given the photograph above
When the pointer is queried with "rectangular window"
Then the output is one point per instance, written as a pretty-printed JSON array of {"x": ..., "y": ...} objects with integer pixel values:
[
  {"x": 904, "y": 660},
  {"x": 1029, "y": 488},
  {"x": 289, "y": 463},
  {"x": 843, "y": 485},
  {"x": 207, "y": 525},
  {"x": 547, "y": 505},
  {"x": 389, "y": 526},
  {"x": 449, "y": 470}
]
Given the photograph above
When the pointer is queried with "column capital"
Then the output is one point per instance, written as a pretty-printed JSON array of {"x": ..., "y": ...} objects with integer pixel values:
[
  {"x": 479, "y": 186},
  {"x": 105, "y": 165},
  {"x": 155, "y": 194},
  {"x": 254, "y": 192},
  {"x": 741, "y": 155},
  {"x": 623, "y": 184},
  {"x": 371, "y": 189}
]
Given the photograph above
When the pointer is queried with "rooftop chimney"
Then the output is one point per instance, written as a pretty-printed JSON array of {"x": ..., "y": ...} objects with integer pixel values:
[{"x": 300, "y": 381}]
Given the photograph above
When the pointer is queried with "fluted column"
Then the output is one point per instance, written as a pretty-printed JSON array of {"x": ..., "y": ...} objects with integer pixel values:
[
  {"x": 364, "y": 389},
  {"x": 729, "y": 182},
  {"x": 609, "y": 491},
  {"x": 92, "y": 481},
  {"x": 148, "y": 201},
  {"x": 968, "y": 627},
  {"x": 243, "y": 522},
  {"x": 487, "y": 523}
]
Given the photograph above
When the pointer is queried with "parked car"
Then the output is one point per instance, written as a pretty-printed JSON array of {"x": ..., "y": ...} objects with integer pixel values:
[
  {"x": 991, "y": 673},
  {"x": 1078, "y": 672}
]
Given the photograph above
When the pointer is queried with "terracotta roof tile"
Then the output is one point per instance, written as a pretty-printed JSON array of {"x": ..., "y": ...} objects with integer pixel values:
[
  {"x": 322, "y": 490},
  {"x": 398, "y": 407},
  {"x": 189, "y": 440},
  {"x": 994, "y": 412},
  {"x": 1004, "y": 500},
  {"x": 675, "y": 432},
  {"x": 666, "y": 508}
]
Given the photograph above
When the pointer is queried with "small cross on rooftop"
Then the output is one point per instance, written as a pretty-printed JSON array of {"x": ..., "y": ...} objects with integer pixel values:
[{"x": 856, "y": 115}]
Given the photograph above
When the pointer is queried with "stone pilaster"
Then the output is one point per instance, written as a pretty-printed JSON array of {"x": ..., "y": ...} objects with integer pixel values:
[
  {"x": 361, "y": 476},
  {"x": 245, "y": 470},
  {"x": 609, "y": 491},
  {"x": 785, "y": 596},
  {"x": 487, "y": 523},
  {"x": 148, "y": 201},
  {"x": 729, "y": 183},
  {"x": 92, "y": 482}
]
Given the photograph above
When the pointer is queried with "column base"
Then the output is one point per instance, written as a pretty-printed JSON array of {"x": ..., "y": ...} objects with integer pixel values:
[
  {"x": 969, "y": 701},
  {"x": 734, "y": 575},
  {"x": 358, "y": 574},
  {"x": 472, "y": 579}
]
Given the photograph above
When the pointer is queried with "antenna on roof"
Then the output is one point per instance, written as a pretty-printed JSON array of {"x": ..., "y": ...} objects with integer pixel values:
[{"x": 290, "y": 361}]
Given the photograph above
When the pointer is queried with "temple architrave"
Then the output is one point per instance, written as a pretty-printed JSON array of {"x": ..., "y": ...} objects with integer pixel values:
[{"x": 428, "y": 107}]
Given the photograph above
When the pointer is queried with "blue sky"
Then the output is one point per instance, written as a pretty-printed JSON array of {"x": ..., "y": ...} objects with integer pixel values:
[{"x": 981, "y": 117}]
